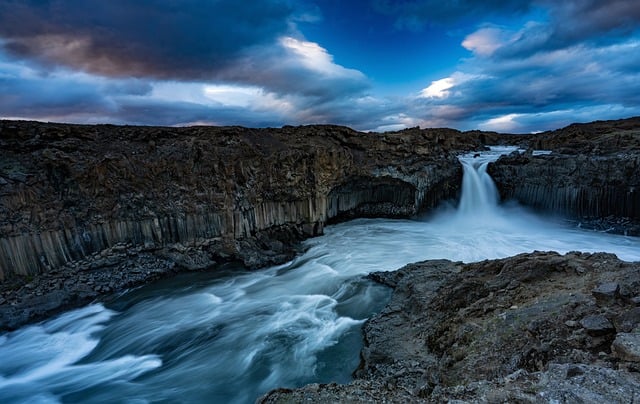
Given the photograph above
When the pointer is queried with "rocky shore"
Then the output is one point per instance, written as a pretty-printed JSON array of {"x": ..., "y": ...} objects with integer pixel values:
[{"x": 536, "y": 327}]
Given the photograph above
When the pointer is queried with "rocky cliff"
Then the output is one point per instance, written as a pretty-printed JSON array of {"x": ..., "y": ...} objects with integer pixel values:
[
  {"x": 86, "y": 210},
  {"x": 592, "y": 174},
  {"x": 533, "y": 328}
]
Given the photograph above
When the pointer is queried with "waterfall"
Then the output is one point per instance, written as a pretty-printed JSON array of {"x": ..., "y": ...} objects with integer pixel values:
[{"x": 479, "y": 194}]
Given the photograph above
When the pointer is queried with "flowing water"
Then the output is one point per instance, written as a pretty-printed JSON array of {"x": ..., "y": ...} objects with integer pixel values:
[{"x": 233, "y": 335}]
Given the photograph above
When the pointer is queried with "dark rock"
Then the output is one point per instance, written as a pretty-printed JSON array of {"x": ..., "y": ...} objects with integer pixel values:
[
  {"x": 592, "y": 175},
  {"x": 606, "y": 292},
  {"x": 626, "y": 347},
  {"x": 628, "y": 320},
  {"x": 91, "y": 188},
  {"x": 597, "y": 325},
  {"x": 457, "y": 332}
]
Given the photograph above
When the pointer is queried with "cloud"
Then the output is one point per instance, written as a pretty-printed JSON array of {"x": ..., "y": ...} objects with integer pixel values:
[
  {"x": 582, "y": 19},
  {"x": 485, "y": 41},
  {"x": 571, "y": 64},
  {"x": 145, "y": 38},
  {"x": 443, "y": 88},
  {"x": 229, "y": 64},
  {"x": 296, "y": 66}
]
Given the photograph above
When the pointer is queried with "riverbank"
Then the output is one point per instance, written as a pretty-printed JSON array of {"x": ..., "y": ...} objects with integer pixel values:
[{"x": 538, "y": 327}]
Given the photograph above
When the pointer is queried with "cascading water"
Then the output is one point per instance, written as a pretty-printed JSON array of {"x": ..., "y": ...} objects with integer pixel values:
[
  {"x": 231, "y": 336},
  {"x": 479, "y": 193}
]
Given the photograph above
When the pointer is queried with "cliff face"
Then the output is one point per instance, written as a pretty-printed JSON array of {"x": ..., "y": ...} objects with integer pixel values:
[
  {"x": 593, "y": 174},
  {"x": 68, "y": 192}
]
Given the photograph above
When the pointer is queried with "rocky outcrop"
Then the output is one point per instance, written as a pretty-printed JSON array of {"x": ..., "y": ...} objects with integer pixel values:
[
  {"x": 537, "y": 327},
  {"x": 592, "y": 174}
]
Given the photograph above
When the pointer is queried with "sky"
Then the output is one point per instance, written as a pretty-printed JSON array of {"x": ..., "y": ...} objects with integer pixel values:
[{"x": 519, "y": 66}]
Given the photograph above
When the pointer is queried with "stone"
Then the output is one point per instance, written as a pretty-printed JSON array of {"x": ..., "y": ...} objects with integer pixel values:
[
  {"x": 628, "y": 320},
  {"x": 606, "y": 292},
  {"x": 597, "y": 325},
  {"x": 434, "y": 342},
  {"x": 626, "y": 347}
]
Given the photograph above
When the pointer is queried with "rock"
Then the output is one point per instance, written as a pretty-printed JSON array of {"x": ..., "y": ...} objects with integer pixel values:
[
  {"x": 591, "y": 176},
  {"x": 597, "y": 325},
  {"x": 626, "y": 347},
  {"x": 447, "y": 336},
  {"x": 606, "y": 292},
  {"x": 628, "y": 320}
]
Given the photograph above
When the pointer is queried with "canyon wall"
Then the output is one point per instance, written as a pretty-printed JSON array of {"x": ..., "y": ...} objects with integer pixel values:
[
  {"x": 68, "y": 192},
  {"x": 592, "y": 174}
]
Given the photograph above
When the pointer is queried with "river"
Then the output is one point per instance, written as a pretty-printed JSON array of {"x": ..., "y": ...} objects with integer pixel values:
[{"x": 232, "y": 335}]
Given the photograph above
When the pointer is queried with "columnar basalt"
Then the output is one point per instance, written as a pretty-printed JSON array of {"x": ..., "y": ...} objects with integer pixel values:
[
  {"x": 68, "y": 192},
  {"x": 592, "y": 174}
]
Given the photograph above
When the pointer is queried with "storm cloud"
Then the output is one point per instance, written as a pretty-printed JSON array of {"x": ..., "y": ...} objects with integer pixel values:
[{"x": 145, "y": 38}]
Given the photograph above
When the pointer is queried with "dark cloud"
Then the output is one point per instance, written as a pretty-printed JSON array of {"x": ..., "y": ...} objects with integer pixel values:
[
  {"x": 193, "y": 40},
  {"x": 149, "y": 38},
  {"x": 580, "y": 19},
  {"x": 47, "y": 97}
]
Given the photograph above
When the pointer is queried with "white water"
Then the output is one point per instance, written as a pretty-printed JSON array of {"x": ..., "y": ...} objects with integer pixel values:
[{"x": 232, "y": 336}]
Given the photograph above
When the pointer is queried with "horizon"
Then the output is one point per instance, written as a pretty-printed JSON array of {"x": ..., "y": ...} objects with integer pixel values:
[
  {"x": 2, "y": 120},
  {"x": 521, "y": 66}
]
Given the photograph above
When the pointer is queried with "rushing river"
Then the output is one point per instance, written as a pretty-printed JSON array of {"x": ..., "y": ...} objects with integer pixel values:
[{"x": 232, "y": 335}]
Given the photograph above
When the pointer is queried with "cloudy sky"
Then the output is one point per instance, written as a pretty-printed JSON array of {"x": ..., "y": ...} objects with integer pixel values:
[{"x": 509, "y": 65}]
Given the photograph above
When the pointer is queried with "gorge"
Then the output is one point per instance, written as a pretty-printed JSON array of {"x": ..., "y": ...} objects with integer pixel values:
[{"x": 84, "y": 208}]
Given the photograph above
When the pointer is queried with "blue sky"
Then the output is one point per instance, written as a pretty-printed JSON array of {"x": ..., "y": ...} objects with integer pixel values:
[{"x": 510, "y": 65}]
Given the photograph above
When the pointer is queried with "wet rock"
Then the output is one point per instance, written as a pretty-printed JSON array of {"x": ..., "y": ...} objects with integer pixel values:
[{"x": 597, "y": 325}]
